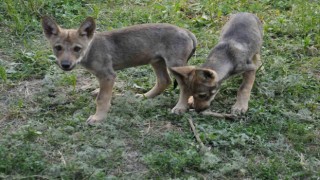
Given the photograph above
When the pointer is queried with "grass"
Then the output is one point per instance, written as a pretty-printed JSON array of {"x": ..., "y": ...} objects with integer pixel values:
[{"x": 43, "y": 134}]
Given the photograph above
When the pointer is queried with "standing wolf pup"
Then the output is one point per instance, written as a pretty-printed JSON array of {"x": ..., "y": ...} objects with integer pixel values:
[
  {"x": 238, "y": 51},
  {"x": 161, "y": 45}
]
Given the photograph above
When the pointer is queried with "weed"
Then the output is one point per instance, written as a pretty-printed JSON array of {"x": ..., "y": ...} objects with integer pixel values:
[{"x": 3, "y": 74}]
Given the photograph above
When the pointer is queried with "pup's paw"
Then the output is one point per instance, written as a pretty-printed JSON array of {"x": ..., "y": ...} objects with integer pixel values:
[
  {"x": 92, "y": 120},
  {"x": 179, "y": 110},
  {"x": 239, "y": 109}
]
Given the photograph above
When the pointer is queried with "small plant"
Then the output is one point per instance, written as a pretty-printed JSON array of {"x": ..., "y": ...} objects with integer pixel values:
[
  {"x": 3, "y": 74},
  {"x": 29, "y": 65},
  {"x": 70, "y": 80}
]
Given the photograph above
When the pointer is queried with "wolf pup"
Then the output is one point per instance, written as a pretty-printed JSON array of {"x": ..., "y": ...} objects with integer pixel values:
[
  {"x": 161, "y": 45},
  {"x": 238, "y": 52}
]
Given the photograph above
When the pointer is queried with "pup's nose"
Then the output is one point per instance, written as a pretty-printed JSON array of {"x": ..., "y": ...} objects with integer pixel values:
[{"x": 65, "y": 64}]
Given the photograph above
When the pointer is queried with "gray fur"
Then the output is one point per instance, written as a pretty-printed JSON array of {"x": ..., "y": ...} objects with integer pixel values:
[
  {"x": 240, "y": 40},
  {"x": 139, "y": 45}
]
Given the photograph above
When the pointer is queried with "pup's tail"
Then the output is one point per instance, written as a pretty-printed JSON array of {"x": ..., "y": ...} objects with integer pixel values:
[{"x": 194, "y": 42}]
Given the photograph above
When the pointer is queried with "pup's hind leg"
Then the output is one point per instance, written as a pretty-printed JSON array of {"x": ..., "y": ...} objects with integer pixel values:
[
  {"x": 163, "y": 79},
  {"x": 103, "y": 101},
  {"x": 257, "y": 60},
  {"x": 243, "y": 95}
]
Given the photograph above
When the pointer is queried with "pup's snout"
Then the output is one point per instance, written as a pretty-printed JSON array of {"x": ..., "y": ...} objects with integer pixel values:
[{"x": 66, "y": 65}]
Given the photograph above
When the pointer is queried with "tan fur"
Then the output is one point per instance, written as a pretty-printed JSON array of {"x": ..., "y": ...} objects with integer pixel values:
[{"x": 198, "y": 81}]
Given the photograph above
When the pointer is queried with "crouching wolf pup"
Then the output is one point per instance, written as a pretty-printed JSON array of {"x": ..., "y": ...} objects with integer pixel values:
[
  {"x": 238, "y": 51},
  {"x": 161, "y": 45}
]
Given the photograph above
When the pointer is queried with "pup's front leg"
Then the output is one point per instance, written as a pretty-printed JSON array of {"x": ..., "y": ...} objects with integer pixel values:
[
  {"x": 182, "y": 105},
  {"x": 103, "y": 101}
]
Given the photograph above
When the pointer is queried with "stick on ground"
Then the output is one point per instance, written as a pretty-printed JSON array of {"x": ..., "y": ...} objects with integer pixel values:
[
  {"x": 203, "y": 147},
  {"x": 219, "y": 115}
]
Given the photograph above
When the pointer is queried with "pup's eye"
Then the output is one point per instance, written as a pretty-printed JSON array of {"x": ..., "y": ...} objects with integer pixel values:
[
  {"x": 77, "y": 49},
  {"x": 58, "y": 48}
]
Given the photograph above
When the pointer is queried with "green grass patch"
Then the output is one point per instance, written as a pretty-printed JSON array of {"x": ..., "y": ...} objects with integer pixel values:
[{"x": 43, "y": 134}]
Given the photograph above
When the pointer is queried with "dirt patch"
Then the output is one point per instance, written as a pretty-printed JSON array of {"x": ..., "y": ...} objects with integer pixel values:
[
  {"x": 17, "y": 102},
  {"x": 160, "y": 127},
  {"x": 132, "y": 161}
]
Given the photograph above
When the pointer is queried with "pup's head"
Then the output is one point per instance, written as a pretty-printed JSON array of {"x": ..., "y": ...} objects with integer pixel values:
[
  {"x": 69, "y": 45},
  {"x": 201, "y": 82}
]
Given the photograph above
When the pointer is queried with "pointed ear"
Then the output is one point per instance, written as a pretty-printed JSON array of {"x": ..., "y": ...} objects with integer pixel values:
[
  {"x": 87, "y": 28},
  {"x": 49, "y": 26},
  {"x": 183, "y": 71},
  {"x": 206, "y": 76}
]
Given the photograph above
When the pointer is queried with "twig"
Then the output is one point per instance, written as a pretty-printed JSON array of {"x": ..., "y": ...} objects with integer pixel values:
[
  {"x": 27, "y": 177},
  {"x": 196, "y": 134},
  {"x": 219, "y": 115}
]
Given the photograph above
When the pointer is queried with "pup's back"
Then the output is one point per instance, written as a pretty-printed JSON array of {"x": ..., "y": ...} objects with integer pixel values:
[{"x": 244, "y": 28}]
